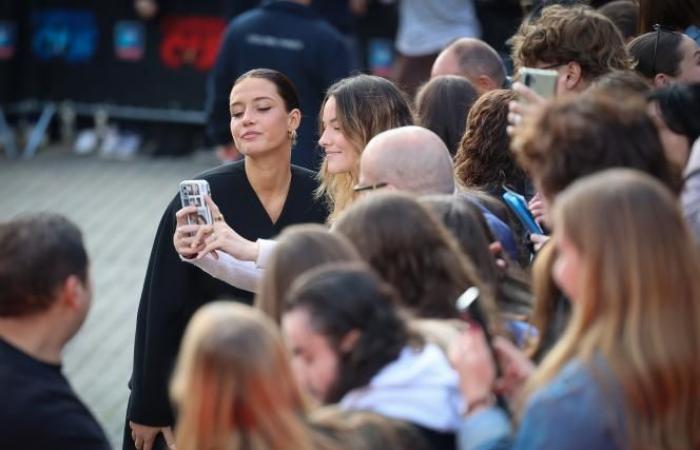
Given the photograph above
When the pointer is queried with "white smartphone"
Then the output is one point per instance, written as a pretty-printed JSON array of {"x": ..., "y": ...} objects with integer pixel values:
[
  {"x": 543, "y": 82},
  {"x": 192, "y": 193}
]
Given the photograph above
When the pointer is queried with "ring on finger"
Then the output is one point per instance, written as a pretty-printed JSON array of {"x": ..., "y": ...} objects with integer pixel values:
[{"x": 219, "y": 218}]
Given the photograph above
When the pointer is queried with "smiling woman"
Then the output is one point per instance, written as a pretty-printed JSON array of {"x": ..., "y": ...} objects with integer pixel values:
[{"x": 258, "y": 197}]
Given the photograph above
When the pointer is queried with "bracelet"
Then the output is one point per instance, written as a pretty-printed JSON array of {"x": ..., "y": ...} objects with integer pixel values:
[{"x": 481, "y": 402}]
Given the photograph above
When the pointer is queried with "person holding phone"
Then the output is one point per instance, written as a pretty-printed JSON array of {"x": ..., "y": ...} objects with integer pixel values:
[
  {"x": 624, "y": 374},
  {"x": 259, "y": 196}
]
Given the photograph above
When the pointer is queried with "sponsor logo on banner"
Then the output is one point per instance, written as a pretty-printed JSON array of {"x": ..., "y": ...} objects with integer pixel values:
[
  {"x": 67, "y": 34},
  {"x": 8, "y": 40},
  {"x": 191, "y": 41},
  {"x": 129, "y": 40}
]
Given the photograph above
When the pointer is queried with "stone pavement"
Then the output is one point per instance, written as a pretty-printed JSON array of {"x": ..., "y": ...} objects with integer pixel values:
[{"x": 118, "y": 206}]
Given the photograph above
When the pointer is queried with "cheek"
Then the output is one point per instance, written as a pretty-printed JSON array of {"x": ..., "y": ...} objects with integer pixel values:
[
  {"x": 322, "y": 374},
  {"x": 564, "y": 277},
  {"x": 676, "y": 147}
]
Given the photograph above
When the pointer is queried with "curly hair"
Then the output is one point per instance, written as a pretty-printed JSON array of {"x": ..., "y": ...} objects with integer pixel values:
[
  {"x": 409, "y": 247},
  {"x": 565, "y": 34},
  {"x": 571, "y": 138},
  {"x": 484, "y": 160}
]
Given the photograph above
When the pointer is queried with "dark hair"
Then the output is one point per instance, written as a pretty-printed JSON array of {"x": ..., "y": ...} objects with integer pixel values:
[
  {"x": 668, "y": 53},
  {"x": 285, "y": 87},
  {"x": 676, "y": 14},
  {"x": 624, "y": 14},
  {"x": 536, "y": 7},
  {"x": 621, "y": 83},
  {"x": 679, "y": 105},
  {"x": 299, "y": 248},
  {"x": 442, "y": 106},
  {"x": 344, "y": 297},
  {"x": 577, "y": 33},
  {"x": 484, "y": 159},
  {"x": 410, "y": 249},
  {"x": 37, "y": 254},
  {"x": 571, "y": 138}
]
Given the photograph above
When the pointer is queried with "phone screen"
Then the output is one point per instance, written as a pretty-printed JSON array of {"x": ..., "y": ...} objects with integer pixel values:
[{"x": 192, "y": 193}]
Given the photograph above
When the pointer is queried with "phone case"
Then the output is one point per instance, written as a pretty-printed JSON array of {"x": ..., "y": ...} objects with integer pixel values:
[
  {"x": 543, "y": 82},
  {"x": 518, "y": 205},
  {"x": 192, "y": 193}
]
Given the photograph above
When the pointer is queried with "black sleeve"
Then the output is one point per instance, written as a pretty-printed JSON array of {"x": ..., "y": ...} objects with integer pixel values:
[
  {"x": 219, "y": 86},
  {"x": 167, "y": 290}
]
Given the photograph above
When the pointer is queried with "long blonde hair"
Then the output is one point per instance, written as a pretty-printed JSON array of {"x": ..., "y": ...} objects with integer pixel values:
[
  {"x": 233, "y": 384},
  {"x": 366, "y": 105},
  {"x": 638, "y": 305}
]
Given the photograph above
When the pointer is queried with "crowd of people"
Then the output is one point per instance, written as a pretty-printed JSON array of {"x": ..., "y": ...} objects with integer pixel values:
[{"x": 396, "y": 298}]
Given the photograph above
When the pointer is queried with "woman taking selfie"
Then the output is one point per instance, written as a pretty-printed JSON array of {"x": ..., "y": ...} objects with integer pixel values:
[
  {"x": 260, "y": 196},
  {"x": 624, "y": 375},
  {"x": 354, "y": 111}
]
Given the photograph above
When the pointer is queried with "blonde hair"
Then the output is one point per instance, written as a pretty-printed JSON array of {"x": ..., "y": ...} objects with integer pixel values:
[
  {"x": 233, "y": 384},
  {"x": 366, "y": 105},
  {"x": 639, "y": 304}
]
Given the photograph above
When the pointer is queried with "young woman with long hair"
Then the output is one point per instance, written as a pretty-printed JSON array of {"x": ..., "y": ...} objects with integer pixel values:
[
  {"x": 625, "y": 372},
  {"x": 355, "y": 110}
]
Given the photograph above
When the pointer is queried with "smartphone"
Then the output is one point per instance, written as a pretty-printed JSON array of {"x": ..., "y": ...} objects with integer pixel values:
[
  {"x": 543, "y": 82},
  {"x": 518, "y": 205},
  {"x": 192, "y": 193}
]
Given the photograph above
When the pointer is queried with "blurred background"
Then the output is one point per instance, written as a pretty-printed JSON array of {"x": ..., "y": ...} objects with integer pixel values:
[{"x": 102, "y": 114}]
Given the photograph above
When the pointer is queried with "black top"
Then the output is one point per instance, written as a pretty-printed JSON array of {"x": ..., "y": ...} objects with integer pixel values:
[
  {"x": 174, "y": 289},
  {"x": 288, "y": 37},
  {"x": 39, "y": 408}
]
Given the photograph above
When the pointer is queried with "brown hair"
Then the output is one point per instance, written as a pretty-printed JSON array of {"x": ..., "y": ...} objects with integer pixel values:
[
  {"x": 677, "y": 14},
  {"x": 37, "y": 254},
  {"x": 571, "y": 138},
  {"x": 484, "y": 160},
  {"x": 624, "y": 14},
  {"x": 668, "y": 53},
  {"x": 299, "y": 248},
  {"x": 285, "y": 87},
  {"x": 550, "y": 312},
  {"x": 621, "y": 84},
  {"x": 565, "y": 34},
  {"x": 233, "y": 384},
  {"x": 409, "y": 247},
  {"x": 365, "y": 430},
  {"x": 637, "y": 306},
  {"x": 366, "y": 105},
  {"x": 442, "y": 106}
]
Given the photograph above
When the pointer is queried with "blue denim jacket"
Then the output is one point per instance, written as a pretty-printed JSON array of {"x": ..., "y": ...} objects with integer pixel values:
[{"x": 571, "y": 413}]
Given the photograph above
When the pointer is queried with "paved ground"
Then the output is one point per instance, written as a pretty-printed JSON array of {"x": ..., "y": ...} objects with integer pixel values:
[{"x": 118, "y": 206}]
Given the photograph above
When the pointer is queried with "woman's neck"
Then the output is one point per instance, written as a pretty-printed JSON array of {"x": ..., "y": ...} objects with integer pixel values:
[{"x": 269, "y": 174}]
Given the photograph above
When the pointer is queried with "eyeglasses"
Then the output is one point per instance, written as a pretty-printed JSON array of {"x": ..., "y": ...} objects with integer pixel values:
[
  {"x": 369, "y": 187},
  {"x": 658, "y": 28}
]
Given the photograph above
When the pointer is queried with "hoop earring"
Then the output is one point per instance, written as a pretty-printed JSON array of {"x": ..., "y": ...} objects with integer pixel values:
[{"x": 292, "y": 136}]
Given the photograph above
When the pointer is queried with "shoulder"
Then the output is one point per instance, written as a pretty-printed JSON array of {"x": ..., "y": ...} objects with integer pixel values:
[
  {"x": 573, "y": 407},
  {"x": 303, "y": 175},
  {"x": 223, "y": 173}
]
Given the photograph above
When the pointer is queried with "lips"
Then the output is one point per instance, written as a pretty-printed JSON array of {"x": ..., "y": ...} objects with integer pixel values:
[{"x": 248, "y": 135}]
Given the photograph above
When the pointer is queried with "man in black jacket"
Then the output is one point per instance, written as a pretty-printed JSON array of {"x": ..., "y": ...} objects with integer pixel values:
[{"x": 292, "y": 38}]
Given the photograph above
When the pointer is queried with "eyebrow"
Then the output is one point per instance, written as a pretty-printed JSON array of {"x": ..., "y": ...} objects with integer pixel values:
[{"x": 255, "y": 100}]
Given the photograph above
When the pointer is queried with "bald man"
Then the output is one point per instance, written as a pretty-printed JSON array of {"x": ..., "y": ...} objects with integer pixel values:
[
  {"x": 415, "y": 160},
  {"x": 474, "y": 60},
  {"x": 412, "y": 159}
]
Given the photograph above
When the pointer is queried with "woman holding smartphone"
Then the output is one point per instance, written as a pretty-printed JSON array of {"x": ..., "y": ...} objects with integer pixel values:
[
  {"x": 260, "y": 196},
  {"x": 624, "y": 375},
  {"x": 355, "y": 110}
]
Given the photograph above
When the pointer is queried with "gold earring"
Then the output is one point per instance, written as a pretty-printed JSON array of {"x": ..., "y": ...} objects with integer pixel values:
[{"x": 293, "y": 136}]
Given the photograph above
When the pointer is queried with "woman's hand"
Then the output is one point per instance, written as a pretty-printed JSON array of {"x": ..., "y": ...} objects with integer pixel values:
[
  {"x": 186, "y": 240},
  {"x": 220, "y": 236},
  {"x": 516, "y": 367},
  {"x": 528, "y": 101},
  {"x": 472, "y": 359},
  {"x": 538, "y": 207}
]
